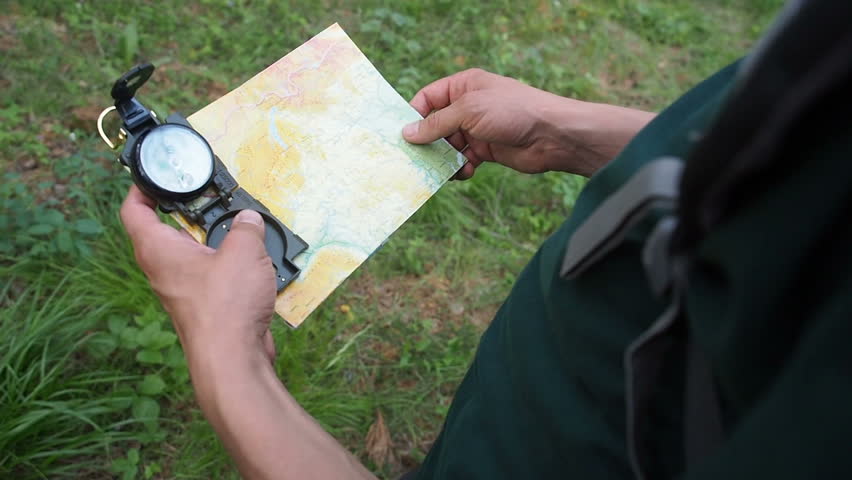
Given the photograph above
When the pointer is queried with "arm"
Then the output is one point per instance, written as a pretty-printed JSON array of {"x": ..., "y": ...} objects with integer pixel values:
[
  {"x": 502, "y": 120},
  {"x": 262, "y": 426},
  {"x": 221, "y": 303}
]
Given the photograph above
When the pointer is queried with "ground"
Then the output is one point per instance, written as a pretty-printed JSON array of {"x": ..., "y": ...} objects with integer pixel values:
[{"x": 92, "y": 382}]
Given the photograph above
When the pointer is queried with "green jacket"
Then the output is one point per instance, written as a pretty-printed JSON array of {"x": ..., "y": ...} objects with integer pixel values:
[{"x": 769, "y": 303}]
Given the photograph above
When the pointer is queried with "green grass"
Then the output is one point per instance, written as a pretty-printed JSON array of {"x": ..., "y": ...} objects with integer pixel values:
[
  {"x": 57, "y": 415},
  {"x": 92, "y": 382}
]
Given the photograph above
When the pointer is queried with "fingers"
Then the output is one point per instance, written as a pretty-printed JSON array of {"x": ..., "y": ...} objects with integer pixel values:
[
  {"x": 474, "y": 159},
  {"x": 246, "y": 237},
  {"x": 477, "y": 151},
  {"x": 441, "y": 123},
  {"x": 434, "y": 96},
  {"x": 460, "y": 143},
  {"x": 143, "y": 226},
  {"x": 137, "y": 213},
  {"x": 466, "y": 171},
  {"x": 188, "y": 238},
  {"x": 457, "y": 141},
  {"x": 443, "y": 92}
]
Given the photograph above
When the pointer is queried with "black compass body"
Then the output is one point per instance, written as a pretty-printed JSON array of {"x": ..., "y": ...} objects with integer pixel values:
[{"x": 173, "y": 164}]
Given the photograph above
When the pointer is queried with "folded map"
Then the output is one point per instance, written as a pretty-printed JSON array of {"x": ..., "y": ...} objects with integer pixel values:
[{"x": 316, "y": 138}]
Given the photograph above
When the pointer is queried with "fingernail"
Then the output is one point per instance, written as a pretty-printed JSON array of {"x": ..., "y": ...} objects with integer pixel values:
[
  {"x": 248, "y": 216},
  {"x": 411, "y": 129}
]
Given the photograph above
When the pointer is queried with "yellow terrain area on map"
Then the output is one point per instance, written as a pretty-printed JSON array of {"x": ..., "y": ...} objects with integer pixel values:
[{"x": 316, "y": 138}]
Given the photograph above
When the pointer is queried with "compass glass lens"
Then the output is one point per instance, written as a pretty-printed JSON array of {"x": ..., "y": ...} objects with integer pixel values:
[{"x": 176, "y": 158}]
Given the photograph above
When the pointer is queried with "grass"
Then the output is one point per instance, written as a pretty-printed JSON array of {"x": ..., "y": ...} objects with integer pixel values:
[
  {"x": 54, "y": 409},
  {"x": 92, "y": 382}
]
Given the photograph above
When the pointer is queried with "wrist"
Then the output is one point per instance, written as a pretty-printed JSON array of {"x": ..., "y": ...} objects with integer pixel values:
[
  {"x": 225, "y": 370},
  {"x": 222, "y": 352},
  {"x": 586, "y": 136},
  {"x": 219, "y": 351},
  {"x": 208, "y": 336}
]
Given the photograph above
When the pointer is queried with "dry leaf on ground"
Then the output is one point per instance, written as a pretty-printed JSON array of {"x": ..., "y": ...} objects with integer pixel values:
[{"x": 378, "y": 442}]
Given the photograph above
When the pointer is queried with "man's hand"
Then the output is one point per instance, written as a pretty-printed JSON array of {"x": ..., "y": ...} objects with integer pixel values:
[
  {"x": 214, "y": 297},
  {"x": 502, "y": 120},
  {"x": 221, "y": 302}
]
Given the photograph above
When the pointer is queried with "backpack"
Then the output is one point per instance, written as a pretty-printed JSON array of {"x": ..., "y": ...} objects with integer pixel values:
[{"x": 803, "y": 66}]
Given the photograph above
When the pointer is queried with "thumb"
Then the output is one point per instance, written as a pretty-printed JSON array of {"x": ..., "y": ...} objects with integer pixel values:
[
  {"x": 441, "y": 123},
  {"x": 246, "y": 237}
]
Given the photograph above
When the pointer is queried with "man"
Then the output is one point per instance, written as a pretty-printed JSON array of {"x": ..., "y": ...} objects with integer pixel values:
[{"x": 721, "y": 354}]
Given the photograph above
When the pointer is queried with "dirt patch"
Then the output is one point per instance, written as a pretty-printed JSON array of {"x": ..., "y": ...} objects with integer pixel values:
[
  {"x": 443, "y": 304},
  {"x": 8, "y": 32},
  {"x": 206, "y": 89},
  {"x": 212, "y": 90},
  {"x": 58, "y": 145},
  {"x": 430, "y": 296},
  {"x": 609, "y": 82},
  {"x": 36, "y": 166},
  {"x": 85, "y": 117}
]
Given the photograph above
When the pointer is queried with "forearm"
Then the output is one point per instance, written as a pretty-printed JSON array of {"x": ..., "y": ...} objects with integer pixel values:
[
  {"x": 263, "y": 427},
  {"x": 589, "y": 135}
]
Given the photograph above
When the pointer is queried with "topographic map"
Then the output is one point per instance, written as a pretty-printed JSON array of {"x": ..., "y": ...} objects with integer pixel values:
[{"x": 316, "y": 138}]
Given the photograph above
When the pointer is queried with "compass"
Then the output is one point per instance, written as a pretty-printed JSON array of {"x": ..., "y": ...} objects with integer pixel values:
[{"x": 174, "y": 164}]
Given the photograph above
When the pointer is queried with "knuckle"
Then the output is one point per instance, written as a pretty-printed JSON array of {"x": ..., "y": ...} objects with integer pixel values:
[
  {"x": 431, "y": 125},
  {"x": 475, "y": 73},
  {"x": 477, "y": 78},
  {"x": 472, "y": 106},
  {"x": 433, "y": 121},
  {"x": 474, "y": 100}
]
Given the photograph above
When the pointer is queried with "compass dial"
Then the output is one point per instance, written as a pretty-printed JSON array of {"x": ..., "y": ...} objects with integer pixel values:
[{"x": 176, "y": 159}]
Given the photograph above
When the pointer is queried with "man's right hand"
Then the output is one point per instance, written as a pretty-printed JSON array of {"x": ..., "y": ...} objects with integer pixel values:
[{"x": 502, "y": 120}]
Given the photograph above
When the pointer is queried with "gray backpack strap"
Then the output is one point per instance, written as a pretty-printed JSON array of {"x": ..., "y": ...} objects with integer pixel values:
[{"x": 654, "y": 186}]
